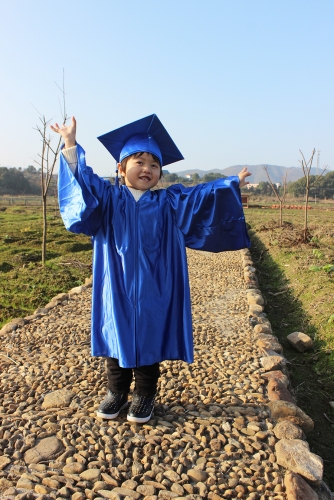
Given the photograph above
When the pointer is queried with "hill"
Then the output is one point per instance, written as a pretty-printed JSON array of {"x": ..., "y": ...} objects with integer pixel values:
[
  {"x": 258, "y": 174},
  {"x": 15, "y": 181}
]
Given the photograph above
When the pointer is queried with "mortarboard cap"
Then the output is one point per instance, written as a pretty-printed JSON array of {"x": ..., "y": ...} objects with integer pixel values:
[{"x": 145, "y": 135}]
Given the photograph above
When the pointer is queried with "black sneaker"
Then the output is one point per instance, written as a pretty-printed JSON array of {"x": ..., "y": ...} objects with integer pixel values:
[
  {"x": 141, "y": 408},
  {"x": 112, "y": 405}
]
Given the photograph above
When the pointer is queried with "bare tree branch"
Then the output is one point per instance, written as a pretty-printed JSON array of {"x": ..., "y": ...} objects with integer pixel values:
[
  {"x": 36, "y": 109},
  {"x": 63, "y": 106},
  {"x": 281, "y": 198},
  {"x": 320, "y": 175},
  {"x": 48, "y": 159}
]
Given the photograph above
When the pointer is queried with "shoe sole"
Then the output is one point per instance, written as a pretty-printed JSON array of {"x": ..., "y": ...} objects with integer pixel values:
[
  {"x": 110, "y": 416},
  {"x": 139, "y": 420}
]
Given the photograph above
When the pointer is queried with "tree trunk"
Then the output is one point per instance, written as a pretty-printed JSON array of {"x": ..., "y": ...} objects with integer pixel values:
[
  {"x": 307, "y": 192},
  {"x": 280, "y": 213},
  {"x": 44, "y": 230}
]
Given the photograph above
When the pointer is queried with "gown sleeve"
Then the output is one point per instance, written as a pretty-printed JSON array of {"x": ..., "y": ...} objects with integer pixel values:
[
  {"x": 210, "y": 215},
  {"x": 82, "y": 196}
]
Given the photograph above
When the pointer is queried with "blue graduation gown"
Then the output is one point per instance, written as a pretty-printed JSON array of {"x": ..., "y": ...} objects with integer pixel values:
[{"x": 141, "y": 311}]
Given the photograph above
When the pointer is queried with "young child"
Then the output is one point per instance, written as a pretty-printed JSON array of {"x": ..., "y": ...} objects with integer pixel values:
[{"x": 141, "y": 312}]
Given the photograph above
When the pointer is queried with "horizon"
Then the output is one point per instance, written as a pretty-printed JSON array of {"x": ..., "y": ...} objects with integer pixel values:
[{"x": 314, "y": 167}]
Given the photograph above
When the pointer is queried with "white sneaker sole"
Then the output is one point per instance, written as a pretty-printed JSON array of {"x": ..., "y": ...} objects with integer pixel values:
[
  {"x": 139, "y": 420},
  {"x": 110, "y": 416}
]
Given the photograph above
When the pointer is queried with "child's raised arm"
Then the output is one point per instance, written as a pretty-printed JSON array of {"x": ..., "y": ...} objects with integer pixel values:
[
  {"x": 68, "y": 132},
  {"x": 242, "y": 177}
]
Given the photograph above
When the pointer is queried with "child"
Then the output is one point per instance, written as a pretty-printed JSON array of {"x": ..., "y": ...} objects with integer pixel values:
[{"x": 141, "y": 313}]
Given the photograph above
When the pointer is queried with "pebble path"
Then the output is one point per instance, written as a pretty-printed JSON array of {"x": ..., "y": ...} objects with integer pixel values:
[{"x": 211, "y": 435}]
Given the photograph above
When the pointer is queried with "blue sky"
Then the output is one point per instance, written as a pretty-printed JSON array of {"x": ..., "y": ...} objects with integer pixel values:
[{"x": 234, "y": 82}]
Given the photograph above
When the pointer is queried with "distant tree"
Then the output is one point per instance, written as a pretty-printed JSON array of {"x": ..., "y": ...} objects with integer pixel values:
[
  {"x": 325, "y": 186},
  {"x": 12, "y": 181},
  {"x": 212, "y": 176},
  {"x": 317, "y": 187},
  {"x": 171, "y": 177},
  {"x": 31, "y": 169},
  {"x": 297, "y": 188},
  {"x": 263, "y": 189},
  {"x": 195, "y": 178},
  {"x": 184, "y": 180}
]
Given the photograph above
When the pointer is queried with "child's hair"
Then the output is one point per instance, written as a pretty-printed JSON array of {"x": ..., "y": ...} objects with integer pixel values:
[{"x": 137, "y": 155}]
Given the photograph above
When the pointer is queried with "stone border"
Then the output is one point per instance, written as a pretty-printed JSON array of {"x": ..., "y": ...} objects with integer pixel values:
[
  {"x": 61, "y": 298},
  {"x": 304, "y": 470}
]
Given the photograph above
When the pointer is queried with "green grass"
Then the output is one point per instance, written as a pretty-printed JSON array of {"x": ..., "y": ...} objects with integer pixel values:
[
  {"x": 25, "y": 283},
  {"x": 299, "y": 299}
]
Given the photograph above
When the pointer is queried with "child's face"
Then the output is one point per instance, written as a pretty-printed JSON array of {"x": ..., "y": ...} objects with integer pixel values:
[{"x": 142, "y": 172}]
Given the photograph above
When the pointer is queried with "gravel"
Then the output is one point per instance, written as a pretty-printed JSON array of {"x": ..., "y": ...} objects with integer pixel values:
[{"x": 210, "y": 437}]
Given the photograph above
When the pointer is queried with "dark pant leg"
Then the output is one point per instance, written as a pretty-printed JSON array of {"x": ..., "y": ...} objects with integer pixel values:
[
  {"x": 146, "y": 378},
  {"x": 119, "y": 379}
]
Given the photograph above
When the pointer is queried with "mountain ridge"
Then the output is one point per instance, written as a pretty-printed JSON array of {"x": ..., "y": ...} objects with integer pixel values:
[{"x": 276, "y": 172}]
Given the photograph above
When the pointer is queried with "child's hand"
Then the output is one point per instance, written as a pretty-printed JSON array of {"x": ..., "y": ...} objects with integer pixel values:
[
  {"x": 68, "y": 133},
  {"x": 242, "y": 177}
]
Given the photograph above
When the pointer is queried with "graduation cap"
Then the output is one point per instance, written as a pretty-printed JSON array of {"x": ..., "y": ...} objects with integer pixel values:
[{"x": 145, "y": 135}]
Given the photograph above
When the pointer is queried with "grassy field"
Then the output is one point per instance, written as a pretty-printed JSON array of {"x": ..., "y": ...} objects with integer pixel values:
[
  {"x": 25, "y": 283},
  {"x": 297, "y": 281}
]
